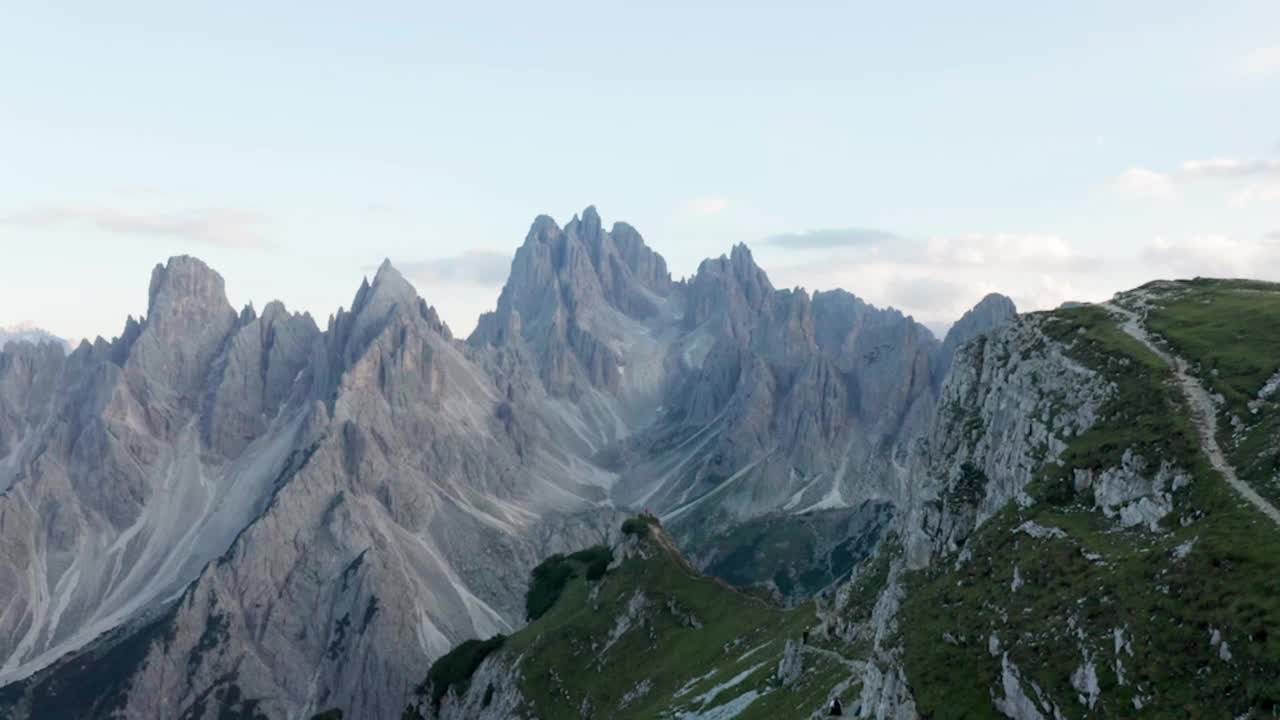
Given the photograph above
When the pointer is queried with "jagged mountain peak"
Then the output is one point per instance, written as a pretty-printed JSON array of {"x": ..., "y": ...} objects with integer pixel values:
[
  {"x": 564, "y": 277},
  {"x": 588, "y": 224},
  {"x": 991, "y": 311},
  {"x": 542, "y": 229},
  {"x": 389, "y": 289},
  {"x": 389, "y": 280},
  {"x": 995, "y": 302},
  {"x": 185, "y": 284}
]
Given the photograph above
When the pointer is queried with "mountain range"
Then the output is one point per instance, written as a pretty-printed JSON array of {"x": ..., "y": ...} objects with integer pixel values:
[
  {"x": 1090, "y": 531},
  {"x": 223, "y": 513}
]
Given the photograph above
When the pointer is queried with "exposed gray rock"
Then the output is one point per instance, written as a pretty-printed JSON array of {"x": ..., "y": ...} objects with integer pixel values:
[
  {"x": 316, "y": 515},
  {"x": 1010, "y": 403},
  {"x": 991, "y": 312},
  {"x": 790, "y": 665},
  {"x": 493, "y": 694},
  {"x": 1131, "y": 493},
  {"x": 1015, "y": 703}
]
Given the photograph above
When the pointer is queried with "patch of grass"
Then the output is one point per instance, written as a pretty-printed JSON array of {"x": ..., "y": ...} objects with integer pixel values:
[
  {"x": 801, "y": 554},
  {"x": 654, "y": 622},
  {"x": 871, "y": 580},
  {"x": 1228, "y": 331},
  {"x": 1074, "y": 593},
  {"x": 1143, "y": 414}
]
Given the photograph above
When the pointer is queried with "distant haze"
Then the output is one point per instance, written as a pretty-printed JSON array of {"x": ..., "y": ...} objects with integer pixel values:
[{"x": 1047, "y": 152}]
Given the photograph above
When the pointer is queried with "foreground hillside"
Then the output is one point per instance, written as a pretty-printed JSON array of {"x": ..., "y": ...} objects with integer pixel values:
[
  {"x": 1091, "y": 533},
  {"x": 649, "y": 638},
  {"x": 1132, "y": 577}
]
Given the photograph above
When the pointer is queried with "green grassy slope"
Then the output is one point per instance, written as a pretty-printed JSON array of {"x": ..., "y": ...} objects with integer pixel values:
[
  {"x": 1138, "y": 607},
  {"x": 799, "y": 555},
  {"x": 654, "y": 638},
  {"x": 1230, "y": 332}
]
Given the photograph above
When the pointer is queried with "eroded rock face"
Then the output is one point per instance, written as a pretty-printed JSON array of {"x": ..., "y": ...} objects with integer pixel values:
[
  {"x": 115, "y": 502},
  {"x": 1012, "y": 401},
  {"x": 493, "y": 694},
  {"x": 319, "y": 513},
  {"x": 557, "y": 302},
  {"x": 407, "y": 523}
]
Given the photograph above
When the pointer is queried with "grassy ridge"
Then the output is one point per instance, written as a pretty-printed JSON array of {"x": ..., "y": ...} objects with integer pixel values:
[
  {"x": 1074, "y": 593},
  {"x": 1230, "y": 332},
  {"x": 653, "y": 638},
  {"x": 685, "y": 632}
]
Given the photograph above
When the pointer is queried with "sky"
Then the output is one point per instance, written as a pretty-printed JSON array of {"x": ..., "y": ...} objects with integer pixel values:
[{"x": 919, "y": 155}]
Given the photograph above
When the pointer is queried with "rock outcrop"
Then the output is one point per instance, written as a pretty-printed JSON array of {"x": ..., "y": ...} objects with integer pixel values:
[{"x": 307, "y": 517}]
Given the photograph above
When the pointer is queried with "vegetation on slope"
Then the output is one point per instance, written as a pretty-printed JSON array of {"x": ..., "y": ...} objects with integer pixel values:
[
  {"x": 453, "y": 671},
  {"x": 1230, "y": 333},
  {"x": 654, "y": 638},
  {"x": 1103, "y": 621},
  {"x": 798, "y": 555},
  {"x": 550, "y": 577}
]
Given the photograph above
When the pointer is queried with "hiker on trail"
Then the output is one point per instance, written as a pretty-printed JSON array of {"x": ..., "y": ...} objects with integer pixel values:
[
  {"x": 837, "y": 710},
  {"x": 804, "y": 638}
]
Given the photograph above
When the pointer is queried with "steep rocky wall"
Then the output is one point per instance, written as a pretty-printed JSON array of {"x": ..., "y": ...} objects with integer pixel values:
[{"x": 1012, "y": 401}]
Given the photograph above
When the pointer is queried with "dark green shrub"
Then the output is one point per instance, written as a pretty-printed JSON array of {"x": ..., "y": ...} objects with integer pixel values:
[
  {"x": 596, "y": 559},
  {"x": 970, "y": 486},
  {"x": 548, "y": 581},
  {"x": 635, "y": 526},
  {"x": 550, "y": 578},
  {"x": 455, "y": 668}
]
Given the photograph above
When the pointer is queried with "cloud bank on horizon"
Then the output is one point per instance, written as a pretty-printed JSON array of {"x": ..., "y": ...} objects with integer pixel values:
[{"x": 1051, "y": 153}]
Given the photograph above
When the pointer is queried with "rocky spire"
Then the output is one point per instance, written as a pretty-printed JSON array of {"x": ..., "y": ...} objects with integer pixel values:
[
  {"x": 733, "y": 286},
  {"x": 991, "y": 311},
  {"x": 188, "y": 319},
  {"x": 564, "y": 284}
]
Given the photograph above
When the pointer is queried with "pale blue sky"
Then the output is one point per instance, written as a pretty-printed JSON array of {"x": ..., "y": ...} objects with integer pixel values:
[{"x": 1050, "y": 152}]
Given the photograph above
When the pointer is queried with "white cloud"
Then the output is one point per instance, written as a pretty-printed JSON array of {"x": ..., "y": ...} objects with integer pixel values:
[
  {"x": 221, "y": 227},
  {"x": 709, "y": 205},
  {"x": 1227, "y": 168},
  {"x": 938, "y": 279},
  {"x": 1010, "y": 250},
  {"x": 1260, "y": 62},
  {"x": 1140, "y": 181},
  {"x": 1217, "y": 256},
  {"x": 1257, "y": 194},
  {"x": 832, "y": 238},
  {"x": 473, "y": 267},
  {"x": 1261, "y": 178}
]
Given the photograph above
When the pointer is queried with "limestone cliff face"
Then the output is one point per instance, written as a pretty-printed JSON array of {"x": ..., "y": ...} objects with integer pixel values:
[
  {"x": 1011, "y": 403},
  {"x": 114, "y": 499},
  {"x": 29, "y": 376},
  {"x": 308, "y": 516},
  {"x": 783, "y": 401},
  {"x": 565, "y": 286},
  {"x": 405, "y": 522},
  {"x": 493, "y": 694},
  {"x": 992, "y": 311},
  {"x": 1014, "y": 400}
]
